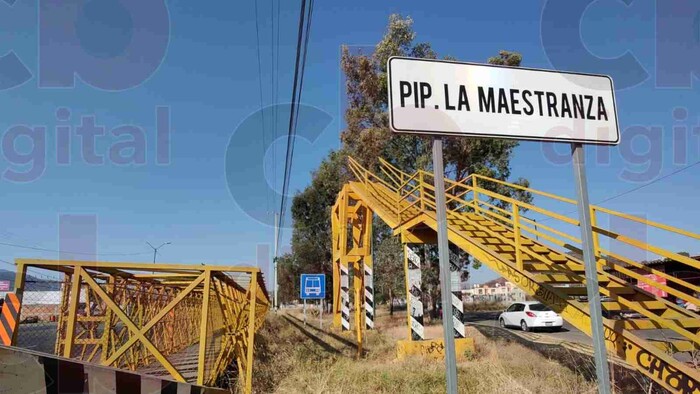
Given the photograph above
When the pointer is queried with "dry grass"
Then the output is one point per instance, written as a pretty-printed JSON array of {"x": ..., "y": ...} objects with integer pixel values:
[{"x": 291, "y": 358}]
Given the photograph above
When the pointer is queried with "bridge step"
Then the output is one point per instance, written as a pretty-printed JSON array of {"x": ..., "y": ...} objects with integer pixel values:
[
  {"x": 650, "y": 305},
  {"x": 566, "y": 278},
  {"x": 537, "y": 266},
  {"x": 648, "y": 324},
  {"x": 675, "y": 346}
]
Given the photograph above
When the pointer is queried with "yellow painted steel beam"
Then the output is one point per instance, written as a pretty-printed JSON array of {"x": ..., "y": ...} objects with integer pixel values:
[
  {"x": 97, "y": 265},
  {"x": 134, "y": 318},
  {"x": 205, "y": 320},
  {"x": 131, "y": 326},
  {"x": 72, "y": 313},
  {"x": 156, "y": 319},
  {"x": 251, "y": 337}
]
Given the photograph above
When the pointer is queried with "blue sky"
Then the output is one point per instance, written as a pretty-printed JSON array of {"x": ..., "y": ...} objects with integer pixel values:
[{"x": 208, "y": 78}]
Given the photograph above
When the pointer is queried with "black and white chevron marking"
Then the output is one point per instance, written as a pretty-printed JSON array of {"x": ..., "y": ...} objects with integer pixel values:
[
  {"x": 51, "y": 375},
  {"x": 344, "y": 297},
  {"x": 457, "y": 304},
  {"x": 415, "y": 293},
  {"x": 369, "y": 297}
]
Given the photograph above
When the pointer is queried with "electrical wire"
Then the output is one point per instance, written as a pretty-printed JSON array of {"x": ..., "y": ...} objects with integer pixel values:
[
  {"x": 296, "y": 95},
  {"x": 63, "y": 251},
  {"x": 632, "y": 190},
  {"x": 650, "y": 183},
  {"x": 260, "y": 85},
  {"x": 273, "y": 93},
  {"x": 275, "y": 111}
]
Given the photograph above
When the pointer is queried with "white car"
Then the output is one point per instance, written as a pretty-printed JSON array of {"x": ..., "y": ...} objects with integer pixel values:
[{"x": 530, "y": 314}]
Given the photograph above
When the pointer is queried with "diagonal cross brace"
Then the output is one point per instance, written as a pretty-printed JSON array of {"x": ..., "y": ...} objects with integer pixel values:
[
  {"x": 156, "y": 319},
  {"x": 131, "y": 326}
]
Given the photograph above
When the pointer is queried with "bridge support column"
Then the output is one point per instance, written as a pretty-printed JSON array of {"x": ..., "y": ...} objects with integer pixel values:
[
  {"x": 456, "y": 265},
  {"x": 335, "y": 296},
  {"x": 344, "y": 296},
  {"x": 414, "y": 304},
  {"x": 351, "y": 222},
  {"x": 369, "y": 291},
  {"x": 338, "y": 248}
]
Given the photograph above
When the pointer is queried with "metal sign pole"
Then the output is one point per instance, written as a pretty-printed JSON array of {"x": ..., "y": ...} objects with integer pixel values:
[
  {"x": 444, "y": 254},
  {"x": 320, "y": 319},
  {"x": 304, "y": 311},
  {"x": 589, "y": 259}
]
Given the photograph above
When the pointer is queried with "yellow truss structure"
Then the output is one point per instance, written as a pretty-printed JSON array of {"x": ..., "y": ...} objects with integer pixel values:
[
  {"x": 539, "y": 258},
  {"x": 189, "y": 322},
  {"x": 350, "y": 248}
]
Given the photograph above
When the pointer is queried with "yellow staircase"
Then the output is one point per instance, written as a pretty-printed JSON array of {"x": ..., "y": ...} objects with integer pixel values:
[{"x": 542, "y": 259}]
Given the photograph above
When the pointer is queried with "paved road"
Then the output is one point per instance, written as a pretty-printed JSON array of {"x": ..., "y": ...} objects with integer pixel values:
[
  {"x": 568, "y": 332},
  {"x": 571, "y": 334}
]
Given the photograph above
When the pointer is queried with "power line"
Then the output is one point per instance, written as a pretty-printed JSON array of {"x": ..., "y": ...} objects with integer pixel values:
[
  {"x": 63, "y": 251},
  {"x": 296, "y": 96},
  {"x": 634, "y": 189},
  {"x": 650, "y": 183},
  {"x": 275, "y": 83},
  {"x": 262, "y": 114}
]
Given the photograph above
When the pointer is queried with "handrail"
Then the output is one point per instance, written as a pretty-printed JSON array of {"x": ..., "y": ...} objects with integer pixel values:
[
  {"x": 642, "y": 245},
  {"x": 552, "y": 230},
  {"x": 404, "y": 209},
  {"x": 527, "y": 189},
  {"x": 410, "y": 193},
  {"x": 390, "y": 176},
  {"x": 389, "y": 165},
  {"x": 647, "y": 222},
  {"x": 529, "y": 206},
  {"x": 423, "y": 191},
  {"x": 595, "y": 207},
  {"x": 385, "y": 183},
  {"x": 408, "y": 180},
  {"x": 652, "y": 271}
]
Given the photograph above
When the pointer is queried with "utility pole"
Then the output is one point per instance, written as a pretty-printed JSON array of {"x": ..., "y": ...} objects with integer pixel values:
[
  {"x": 275, "y": 287},
  {"x": 155, "y": 250}
]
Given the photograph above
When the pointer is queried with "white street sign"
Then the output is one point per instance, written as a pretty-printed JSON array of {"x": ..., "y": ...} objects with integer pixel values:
[{"x": 466, "y": 99}]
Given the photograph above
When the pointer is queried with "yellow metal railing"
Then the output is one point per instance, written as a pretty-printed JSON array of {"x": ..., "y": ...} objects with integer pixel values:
[
  {"x": 413, "y": 194},
  {"x": 544, "y": 257},
  {"x": 154, "y": 318}
]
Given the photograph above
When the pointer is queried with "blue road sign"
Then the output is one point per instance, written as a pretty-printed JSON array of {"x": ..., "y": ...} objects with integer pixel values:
[{"x": 313, "y": 286}]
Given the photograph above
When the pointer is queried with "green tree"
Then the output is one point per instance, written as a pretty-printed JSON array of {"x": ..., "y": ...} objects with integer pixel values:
[
  {"x": 288, "y": 277},
  {"x": 367, "y": 137},
  {"x": 487, "y": 156},
  {"x": 311, "y": 215},
  {"x": 388, "y": 264}
]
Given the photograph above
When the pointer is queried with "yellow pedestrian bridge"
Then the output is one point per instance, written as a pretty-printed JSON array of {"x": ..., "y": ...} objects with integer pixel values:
[
  {"x": 185, "y": 323},
  {"x": 542, "y": 258}
]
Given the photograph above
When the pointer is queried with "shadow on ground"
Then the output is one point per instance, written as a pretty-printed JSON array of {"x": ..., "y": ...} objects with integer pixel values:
[
  {"x": 325, "y": 345},
  {"x": 337, "y": 337}
]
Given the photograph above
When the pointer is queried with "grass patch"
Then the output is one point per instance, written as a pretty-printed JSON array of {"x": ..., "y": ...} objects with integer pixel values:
[{"x": 292, "y": 358}]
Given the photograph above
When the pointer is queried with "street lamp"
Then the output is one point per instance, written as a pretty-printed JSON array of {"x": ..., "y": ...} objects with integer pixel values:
[{"x": 155, "y": 250}]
